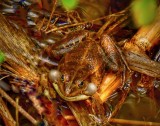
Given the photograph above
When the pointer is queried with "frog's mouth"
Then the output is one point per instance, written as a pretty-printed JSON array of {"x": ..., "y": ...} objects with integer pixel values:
[{"x": 70, "y": 98}]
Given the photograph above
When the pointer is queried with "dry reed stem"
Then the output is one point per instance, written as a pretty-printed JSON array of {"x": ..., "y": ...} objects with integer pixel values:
[
  {"x": 133, "y": 122},
  {"x": 112, "y": 28},
  {"x": 146, "y": 37},
  {"x": 20, "y": 109},
  {"x": 110, "y": 83},
  {"x": 85, "y": 22},
  {"x": 17, "y": 114},
  {"x": 53, "y": 10},
  {"x": 5, "y": 114},
  {"x": 125, "y": 122}
]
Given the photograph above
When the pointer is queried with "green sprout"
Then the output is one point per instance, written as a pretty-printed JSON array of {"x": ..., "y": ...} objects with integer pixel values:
[
  {"x": 69, "y": 4},
  {"x": 2, "y": 57},
  {"x": 143, "y": 11}
]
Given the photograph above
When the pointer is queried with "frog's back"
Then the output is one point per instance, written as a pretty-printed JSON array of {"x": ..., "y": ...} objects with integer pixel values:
[{"x": 82, "y": 61}]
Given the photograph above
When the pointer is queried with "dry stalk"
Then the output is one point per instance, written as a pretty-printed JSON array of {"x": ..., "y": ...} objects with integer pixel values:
[
  {"x": 133, "y": 122},
  {"x": 17, "y": 114},
  {"x": 53, "y": 9},
  {"x": 110, "y": 83},
  {"x": 20, "y": 109},
  {"x": 125, "y": 122},
  {"x": 121, "y": 13},
  {"x": 146, "y": 37},
  {"x": 5, "y": 114},
  {"x": 110, "y": 28}
]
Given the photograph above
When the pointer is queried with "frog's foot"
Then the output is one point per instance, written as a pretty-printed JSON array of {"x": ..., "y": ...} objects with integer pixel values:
[{"x": 97, "y": 121}]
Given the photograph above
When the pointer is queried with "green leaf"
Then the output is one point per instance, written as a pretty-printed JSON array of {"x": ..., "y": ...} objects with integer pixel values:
[
  {"x": 2, "y": 57},
  {"x": 143, "y": 11},
  {"x": 69, "y": 4}
]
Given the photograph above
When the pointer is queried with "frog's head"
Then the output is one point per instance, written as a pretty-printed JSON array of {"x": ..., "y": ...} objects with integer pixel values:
[{"x": 72, "y": 88}]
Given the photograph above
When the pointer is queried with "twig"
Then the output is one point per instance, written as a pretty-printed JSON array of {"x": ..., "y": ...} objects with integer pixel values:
[
  {"x": 4, "y": 77},
  {"x": 85, "y": 22},
  {"x": 124, "y": 121},
  {"x": 17, "y": 114},
  {"x": 41, "y": 24},
  {"x": 20, "y": 109},
  {"x": 133, "y": 122},
  {"x": 5, "y": 114},
  {"x": 120, "y": 23},
  {"x": 53, "y": 9}
]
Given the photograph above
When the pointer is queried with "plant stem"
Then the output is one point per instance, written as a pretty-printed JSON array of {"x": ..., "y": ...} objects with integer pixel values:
[{"x": 20, "y": 109}]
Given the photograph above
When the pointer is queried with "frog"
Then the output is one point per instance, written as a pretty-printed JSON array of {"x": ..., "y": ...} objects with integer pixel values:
[{"x": 83, "y": 64}]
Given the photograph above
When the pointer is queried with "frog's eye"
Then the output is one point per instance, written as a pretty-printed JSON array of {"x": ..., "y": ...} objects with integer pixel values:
[
  {"x": 91, "y": 89},
  {"x": 81, "y": 84},
  {"x": 54, "y": 75},
  {"x": 62, "y": 78}
]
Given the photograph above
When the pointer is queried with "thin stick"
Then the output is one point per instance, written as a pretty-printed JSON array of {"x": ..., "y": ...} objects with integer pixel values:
[
  {"x": 41, "y": 24},
  {"x": 118, "y": 23},
  {"x": 133, "y": 122},
  {"x": 17, "y": 114},
  {"x": 101, "y": 30},
  {"x": 54, "y": 22},
  {"x": 85, "y": 22},
  {"x": 53, "y": 9},
  {"x": 76, "y": 24},
  {"x": 5, "y": 114},
  {"x": 4, "y": 77},
  {"x": 124, "y": 121},
  {"x": 20, "y": 109}
]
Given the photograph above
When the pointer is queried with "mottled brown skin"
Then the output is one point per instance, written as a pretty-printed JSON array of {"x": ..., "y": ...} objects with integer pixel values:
[{"x": 84, "y": 65}]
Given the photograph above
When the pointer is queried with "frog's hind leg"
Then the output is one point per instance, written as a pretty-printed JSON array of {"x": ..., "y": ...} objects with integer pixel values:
[{"x": 113, "y": 56}]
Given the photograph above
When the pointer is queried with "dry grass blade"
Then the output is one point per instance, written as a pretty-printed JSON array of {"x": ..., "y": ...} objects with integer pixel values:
[
  {"x": 5, "y": 114},
  {"x": 20, "y": 109},
  {"x": 17, "y": 112},
  {"x": 16, "y": 46},
  {"x": 53, "y": 9},
  {"x": 120, "y": 19},
  {"x": 108, "y": 17}
]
